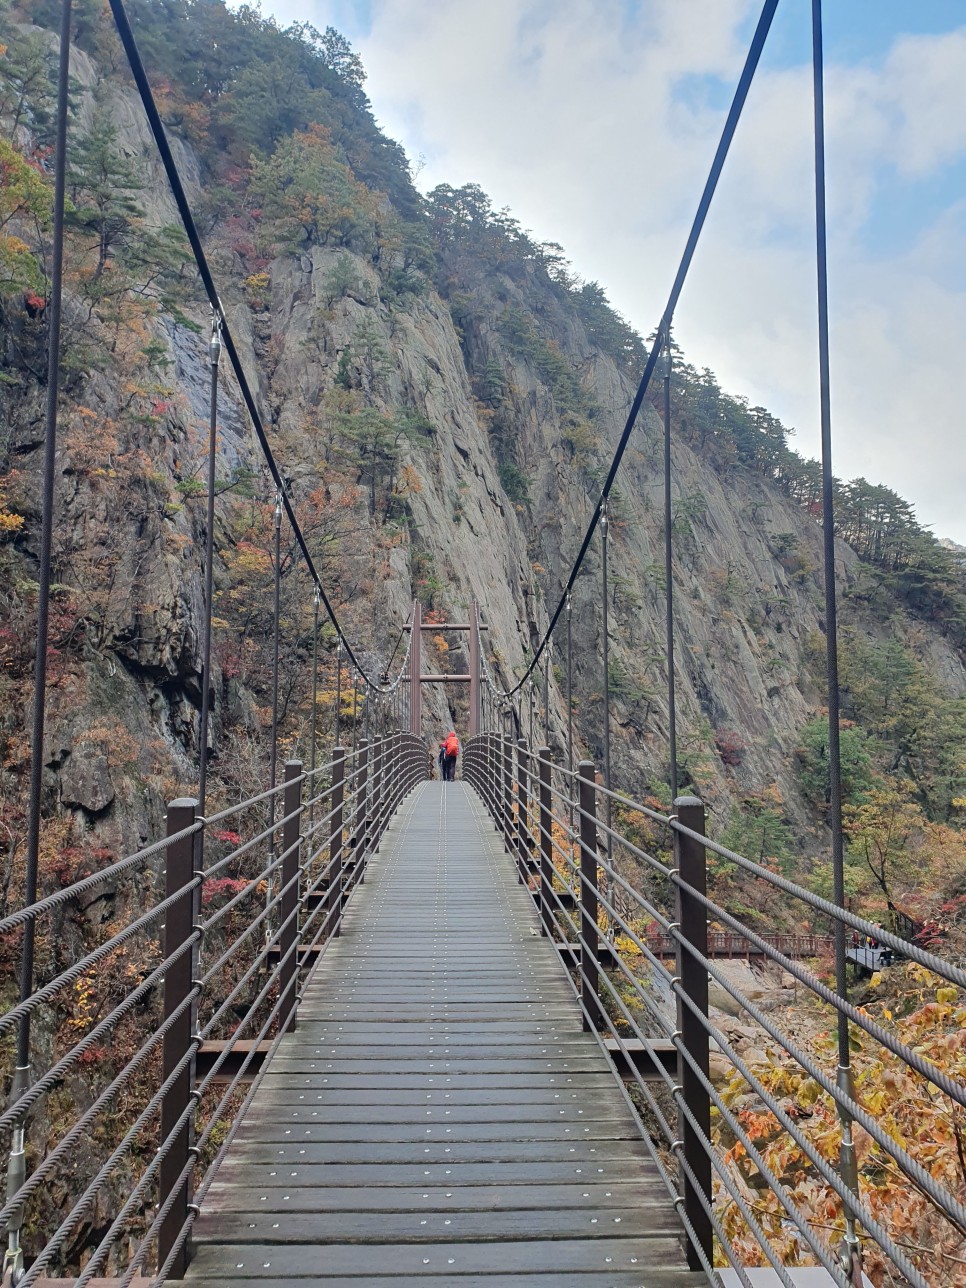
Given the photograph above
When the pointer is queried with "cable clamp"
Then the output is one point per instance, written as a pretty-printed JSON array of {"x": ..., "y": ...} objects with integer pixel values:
[
  {"x": 676, "y": 1145},
  {"x": 193, "y": 1151},
  {"x": 13, "y": 1267},
  {"x": 195, "y": 1095}
]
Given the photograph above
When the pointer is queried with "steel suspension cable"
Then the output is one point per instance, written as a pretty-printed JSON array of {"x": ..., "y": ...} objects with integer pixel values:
[
  {"x": 13, "y": 1255},
  {"x": 664, "y": 328},
  {"x": 187, "y": 218}
]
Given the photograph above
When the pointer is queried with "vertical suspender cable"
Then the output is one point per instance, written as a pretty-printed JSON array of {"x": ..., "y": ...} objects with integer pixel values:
[
  {"x": 316, "y": 601},
  {"x": 13, "y": 1258},
  {"x": 214, "y": 353},
  {"x": 277, "y": 583},
  {"x": 665, "y": 371},
  {"x": 604, "y": 533},
  {"x": 546, "y": 701},
  {"x": 570, "y": 685},
  {"x": 851, "y": 1253},
  {"x": 338, "y": 692},
  {"x": 273, "y": 754},
  {"x": 570, "y": 707},
  {"x": 355, "y": 700}
]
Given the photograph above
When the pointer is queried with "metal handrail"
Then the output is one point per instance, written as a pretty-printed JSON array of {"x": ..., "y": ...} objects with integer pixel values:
[
  {"x": 256, "y": 961},
  {"x": 519, "y": 788}
]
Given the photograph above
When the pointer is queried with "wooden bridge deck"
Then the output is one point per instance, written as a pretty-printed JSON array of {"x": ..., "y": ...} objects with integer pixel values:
[{"x": 439, "y": 1117}]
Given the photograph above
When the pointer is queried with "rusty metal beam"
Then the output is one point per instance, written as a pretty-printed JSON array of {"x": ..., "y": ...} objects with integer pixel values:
[{"x": 447, "y": 626}]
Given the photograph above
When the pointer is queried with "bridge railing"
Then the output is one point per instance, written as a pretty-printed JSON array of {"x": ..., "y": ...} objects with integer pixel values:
[
  {"x": 149, "y": 1031},
  {"x": 771, "y": 1150}
]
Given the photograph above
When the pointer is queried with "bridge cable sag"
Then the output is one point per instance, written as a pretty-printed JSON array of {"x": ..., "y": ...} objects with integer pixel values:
[
  {"x": 664, "y": 328},
  {"x": 201, "y": 260},
  {"x": 16, "y": 1172}
]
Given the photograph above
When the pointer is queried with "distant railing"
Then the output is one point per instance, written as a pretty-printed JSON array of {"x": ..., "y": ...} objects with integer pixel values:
[
  {"x": 723, "y": 944},
  {"x": 132, "y": 1116},
  {"x": 613, "y": 909}
]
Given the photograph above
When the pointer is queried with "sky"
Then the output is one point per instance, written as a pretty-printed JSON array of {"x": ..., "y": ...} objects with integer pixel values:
[{"x": 595, "y": 122}]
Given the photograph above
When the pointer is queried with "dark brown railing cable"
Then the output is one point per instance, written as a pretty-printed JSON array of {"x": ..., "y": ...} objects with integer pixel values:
[{"x": 16, "y": 1169}]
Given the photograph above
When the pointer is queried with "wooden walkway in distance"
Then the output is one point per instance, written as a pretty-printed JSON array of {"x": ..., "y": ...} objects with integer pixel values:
[{"x": 439, "y": 1117}]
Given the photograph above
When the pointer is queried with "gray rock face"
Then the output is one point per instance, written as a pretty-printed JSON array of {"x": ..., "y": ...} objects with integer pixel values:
[
  {"x": 85, "y": 782},
  {"x": 748, "y": 623}
]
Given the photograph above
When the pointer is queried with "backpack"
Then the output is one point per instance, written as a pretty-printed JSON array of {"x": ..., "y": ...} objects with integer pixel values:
[{"x": 452, "y": 745}]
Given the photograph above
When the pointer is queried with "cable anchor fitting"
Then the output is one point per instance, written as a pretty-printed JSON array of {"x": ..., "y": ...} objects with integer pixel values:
[{"x": 214, "y": 344}]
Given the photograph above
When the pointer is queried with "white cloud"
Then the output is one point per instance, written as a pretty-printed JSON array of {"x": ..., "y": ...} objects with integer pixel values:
[{"x": 585, "y": 118}]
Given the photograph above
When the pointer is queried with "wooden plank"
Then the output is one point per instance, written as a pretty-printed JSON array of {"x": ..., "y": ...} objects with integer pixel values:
[
  {"x": 322, "y": 1228},
  {"x": 390, "y": 1092},
  {"x": 543, "y": 1256},
  {"x": 441, "y": 1066},
  {"x": 401, "y": 1080},
  {"x": 656, "y": 1278},
  {"x": 413, "y": 1115},
  {"x": 453, "y": 1174},
  {"x": 228, "y": 1196},
  {"x": 465, "y": 1150}
]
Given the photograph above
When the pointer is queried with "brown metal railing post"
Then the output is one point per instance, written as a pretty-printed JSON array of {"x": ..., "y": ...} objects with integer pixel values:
[
  {"x": 506, "y": 790},
  {"x": 496, "y": 779},
  {"x": 378, "y": 792},
  {"x": 691, "y": 862},
  {"x": 178, "y": 925},
  {"x": 395, "y": 774},
  {"x": 333, "y": 898},
  {"x": 288, "y": 913},
  {"x": 589, "y": 934},
  {"x": 546, "y": 844},
  {"x": 359, "y": 834},
  {"x": 523, "y": 836}
]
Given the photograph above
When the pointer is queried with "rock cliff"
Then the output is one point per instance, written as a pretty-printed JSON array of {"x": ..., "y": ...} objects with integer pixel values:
[{"x": 444, "y": 432}]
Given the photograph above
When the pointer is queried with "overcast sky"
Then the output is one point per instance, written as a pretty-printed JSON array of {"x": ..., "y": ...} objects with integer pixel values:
[{"x": 595, "y": 122}]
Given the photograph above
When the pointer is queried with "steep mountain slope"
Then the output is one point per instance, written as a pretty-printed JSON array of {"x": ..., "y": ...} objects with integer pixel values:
[{"x": 444, "y": 397}]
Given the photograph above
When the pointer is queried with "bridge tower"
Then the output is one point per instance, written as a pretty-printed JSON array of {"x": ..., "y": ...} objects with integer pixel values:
[{"x": 417, "y": 678}]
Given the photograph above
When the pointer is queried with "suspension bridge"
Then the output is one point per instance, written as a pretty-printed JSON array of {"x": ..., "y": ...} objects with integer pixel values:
[{"x": 382, "y": 1029}]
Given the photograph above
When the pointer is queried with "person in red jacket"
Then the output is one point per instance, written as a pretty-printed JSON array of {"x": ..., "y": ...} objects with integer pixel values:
[{"x": 450, "y": 748}]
